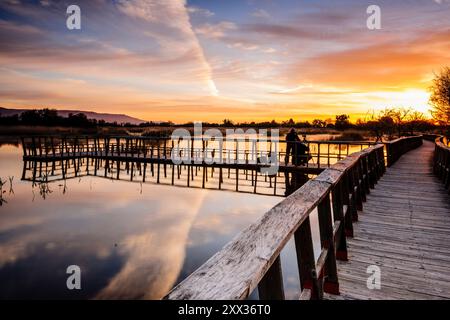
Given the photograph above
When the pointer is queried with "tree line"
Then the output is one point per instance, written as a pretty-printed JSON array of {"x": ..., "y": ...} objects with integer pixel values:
[
  {"x": 390, "y": 122},
  {"x": 50, "y": 118}
]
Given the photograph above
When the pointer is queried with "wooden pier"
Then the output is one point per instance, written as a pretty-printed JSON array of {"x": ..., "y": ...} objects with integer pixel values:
[
  {"x": 385, "y": 206},
  {"x": 395, "y": 218},
  {"x": 148, "y": 159},
  {"x": 405, "y": 231}
]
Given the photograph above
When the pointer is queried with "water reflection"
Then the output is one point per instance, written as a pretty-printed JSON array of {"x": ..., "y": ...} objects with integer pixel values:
[
  {"x": 41, "y": 173},
  {"x": 131, "y": 240}
]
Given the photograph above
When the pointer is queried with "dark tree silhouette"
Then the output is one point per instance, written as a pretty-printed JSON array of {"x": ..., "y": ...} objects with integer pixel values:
[
  {"x": 342, "y": 122},
  {"x": 440, "y": 99}
]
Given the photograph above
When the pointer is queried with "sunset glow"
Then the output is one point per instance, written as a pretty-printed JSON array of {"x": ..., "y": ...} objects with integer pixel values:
[{"x": 206, "y": 60}]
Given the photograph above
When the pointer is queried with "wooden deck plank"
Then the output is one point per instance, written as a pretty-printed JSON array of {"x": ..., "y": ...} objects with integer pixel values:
[{"x": 404, "y": 229}]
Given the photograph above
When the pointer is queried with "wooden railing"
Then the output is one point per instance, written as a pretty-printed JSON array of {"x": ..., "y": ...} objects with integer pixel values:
[
  {"x": 441, "y": 161},
  {"x": 321, "y": 155},
  {"x": 252, "y": 259},
  {"x": 396, "y": 148}
]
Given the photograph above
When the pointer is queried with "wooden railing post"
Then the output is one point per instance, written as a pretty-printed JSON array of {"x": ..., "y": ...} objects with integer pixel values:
[
  {"x": 366, "y": 174},
  {"x": 329, "y": 270},
  {"x": 361, "y": 189},
  {"x": 305, "y": 258},
  {"x": 355, "y": 201},
  {"x": 338, "y": 215},
  {"x": 271, "y": 285}
]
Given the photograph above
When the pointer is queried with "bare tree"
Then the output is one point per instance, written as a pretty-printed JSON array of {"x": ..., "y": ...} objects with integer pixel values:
[{"x": 440, "y": 98}]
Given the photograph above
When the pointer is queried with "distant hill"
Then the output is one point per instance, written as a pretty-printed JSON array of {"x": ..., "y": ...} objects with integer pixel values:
[{"x": 108, "y": 117}]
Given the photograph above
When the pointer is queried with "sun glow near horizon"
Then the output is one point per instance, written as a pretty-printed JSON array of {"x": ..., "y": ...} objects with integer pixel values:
[{"x": 210, "y": 60}]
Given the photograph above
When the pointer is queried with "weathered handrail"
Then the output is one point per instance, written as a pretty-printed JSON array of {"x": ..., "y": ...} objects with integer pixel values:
[
  {"x": 441, "y": 161},
  {"x": 396, "y": 148},
  {"x": 252, "y": 259}
]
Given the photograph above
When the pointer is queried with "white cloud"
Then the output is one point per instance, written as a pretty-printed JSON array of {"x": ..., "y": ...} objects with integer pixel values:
[
  {"x": 200, "y": 11},
  {"x": 215, "y": 31},
  {"x": 241, "y": 45},
  {"x": 260, "y": 13},
  {"x": 172, "y": 14}
]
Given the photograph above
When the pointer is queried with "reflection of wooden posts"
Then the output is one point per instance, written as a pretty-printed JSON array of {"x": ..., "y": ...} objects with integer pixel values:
[
  {"x": 61, "y": 151},
  {"x": 246, "y": 162},
  {"x": 40, "y": 146},
  {"x": 145, "y": 162},
  {"x": 23, "y": 146},
  {"x": 151, "y": 163},
  {"x": 159, "y": 160},
  {"x": 275, "y": 185},
  {"x": 75, "y": 141},
  {"x": 34, "y": 170},
  {"x": 165, "y": 157},
  {"x": 188, "y": 174},
  {"x": 52, "y": 141},
  {"x": 100, "y": 150},
  {"x": 33, "y": 146},
  {"x": 96, "y": 141},
  {"x": 192, "y": 159},
  {"x": 87, "y": 148},
  {"x": 203, "y": 176},
  {"x": 24, "y": 169},
  {"x": 173, "y": 173},
  {"x": 132, "y": 171},
  {"x": 220, "y": 178}
]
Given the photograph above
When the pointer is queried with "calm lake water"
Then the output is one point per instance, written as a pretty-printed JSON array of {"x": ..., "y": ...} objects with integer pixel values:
[{"x": 131, "y": 240}]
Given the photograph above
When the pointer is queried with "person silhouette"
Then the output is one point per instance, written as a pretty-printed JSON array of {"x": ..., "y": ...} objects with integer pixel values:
[{"x": 291, "y": 140}]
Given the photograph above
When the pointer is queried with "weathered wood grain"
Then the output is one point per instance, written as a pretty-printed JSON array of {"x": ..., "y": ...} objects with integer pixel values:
[
  {"x": 405, "y": 230},
  {"x": 235, "y": 271}
]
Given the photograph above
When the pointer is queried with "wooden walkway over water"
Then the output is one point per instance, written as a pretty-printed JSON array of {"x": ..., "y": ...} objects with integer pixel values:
[
  {"x": 237, "y": 164},
  {"x": 404, "y": 229},
  {"x": 395, "y": 221}
]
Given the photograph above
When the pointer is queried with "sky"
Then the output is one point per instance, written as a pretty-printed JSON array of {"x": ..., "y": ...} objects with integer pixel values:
[{"x": 207, "y": 60}]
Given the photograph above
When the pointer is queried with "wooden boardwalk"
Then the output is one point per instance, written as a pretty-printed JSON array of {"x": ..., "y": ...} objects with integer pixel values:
[{"x": 404, "y": 229}]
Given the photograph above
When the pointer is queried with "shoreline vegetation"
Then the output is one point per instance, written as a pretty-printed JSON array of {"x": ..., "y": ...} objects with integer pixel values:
[{"x": 386, "y": 125}]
